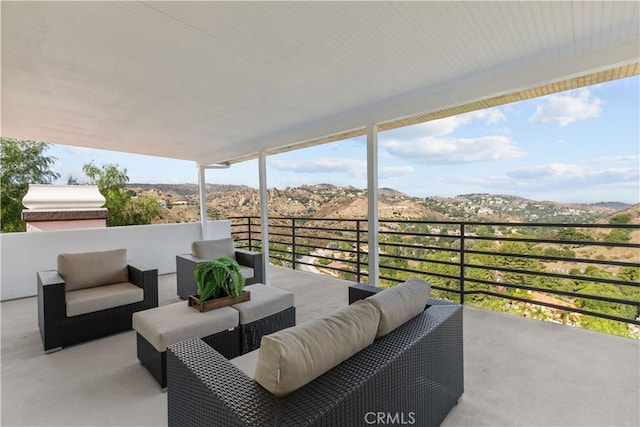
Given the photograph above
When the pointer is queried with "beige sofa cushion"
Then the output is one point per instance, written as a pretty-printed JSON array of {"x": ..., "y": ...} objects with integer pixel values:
[
  {"x": 265, "y": 301},
  {"x": 400, "y": 303},
  {"x": 213, "y": 249},
  {"x": 104, "y": 297},
  {"x": 169, "y": 324},
  {"x": 292, "y": 357},
  {"x": 91, "y": 269}
]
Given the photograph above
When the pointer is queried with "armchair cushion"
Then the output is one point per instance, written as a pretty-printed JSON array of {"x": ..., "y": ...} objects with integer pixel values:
[
  {"x": 91, "y": 269},
  {"x": 247, "y": 272},
  {"x": 98, "y": 298},
  {"x": 213, "y": 249},
  {"x": 400, "y": 303},
  {"x": 295, "y": 356}
]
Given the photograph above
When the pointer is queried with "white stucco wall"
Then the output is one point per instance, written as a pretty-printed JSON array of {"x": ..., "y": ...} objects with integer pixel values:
[{"x": 24, "y": 254}]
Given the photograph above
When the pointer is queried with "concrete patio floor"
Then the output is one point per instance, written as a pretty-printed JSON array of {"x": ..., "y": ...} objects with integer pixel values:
[{"x": 518, "y": 372}]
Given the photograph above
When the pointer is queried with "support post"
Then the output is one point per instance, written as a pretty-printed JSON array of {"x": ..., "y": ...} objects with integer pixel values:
[
  {"x": 358, "y": 249},
  {"x": 264, "y": 214},
  {"x": 202, "y": 187},
  {"x": 462, "y": 262},
  {"x": 372, "y": 205}
]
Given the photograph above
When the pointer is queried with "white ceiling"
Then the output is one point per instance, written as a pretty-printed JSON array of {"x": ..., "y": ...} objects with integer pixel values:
[{"x": 218, "y": 81}]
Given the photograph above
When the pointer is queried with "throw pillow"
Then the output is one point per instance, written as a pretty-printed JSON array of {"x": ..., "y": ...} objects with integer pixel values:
[
  {"x": 400, "y": 303},
  {"x": 295, "y": 356}
]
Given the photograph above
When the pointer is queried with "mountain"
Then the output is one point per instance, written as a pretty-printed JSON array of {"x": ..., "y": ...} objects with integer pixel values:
[
  {"x": 518, "y": 209},
  {"x": 632, "y": 213},
  {"x": 613, "y": 205},
  {"x": 186, "y": 189},
  {"x": 181, "y": 203}
]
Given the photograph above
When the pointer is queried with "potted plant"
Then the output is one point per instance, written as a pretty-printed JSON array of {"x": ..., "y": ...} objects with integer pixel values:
[{"x": 219, "y": 283}]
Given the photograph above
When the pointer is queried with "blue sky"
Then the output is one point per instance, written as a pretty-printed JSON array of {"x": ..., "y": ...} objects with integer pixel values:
[{"x": 577, "y": 146}]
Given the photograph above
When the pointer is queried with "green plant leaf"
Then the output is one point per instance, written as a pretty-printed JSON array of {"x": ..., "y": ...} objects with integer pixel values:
[{"x": 219, "y": 278}]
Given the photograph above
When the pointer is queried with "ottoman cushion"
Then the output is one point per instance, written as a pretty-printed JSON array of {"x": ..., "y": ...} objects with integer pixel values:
[
  {"x": 265, "y": 301},
  {"x": 170, "y": 324}
]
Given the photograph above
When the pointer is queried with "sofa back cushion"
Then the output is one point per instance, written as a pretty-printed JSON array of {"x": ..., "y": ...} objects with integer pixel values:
[
  {"x": 400, "y": 303},
  {"x": 91, "y": 269},
  {"x": 213, "y": 249},
  {"x": 292, "y": 357}
]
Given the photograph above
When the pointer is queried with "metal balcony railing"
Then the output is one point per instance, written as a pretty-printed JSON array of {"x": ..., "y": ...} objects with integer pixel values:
[{"x": 570, "y": 269}]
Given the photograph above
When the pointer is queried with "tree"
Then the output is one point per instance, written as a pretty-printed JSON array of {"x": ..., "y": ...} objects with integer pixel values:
[
  {"x": 572, "y": 234},
  {"x": 123, "y": 208},
  {"x": 620, "y": 219},
  {"x": 23, "y": 163},
  {"x": 618, "y": 235},
  {"x": 517, "y": 263},
  {"x": 630, "y": 274}
]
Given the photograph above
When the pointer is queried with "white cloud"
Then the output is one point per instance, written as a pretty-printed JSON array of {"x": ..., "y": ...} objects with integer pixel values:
[
  {"x": 354, "y": 167},
  {"x": 552, "y": 170},
  {"x": 444, "y": 126},
  {"x": 454, "y": 150},
  {"x": 566, "y": 109},
  {"x": 566, "y": 175},
  {"x": 83, "y": 151},
  {"x": 447, "y": 125},
  {"x": 484, "y": 181},
  {"x": 395, "y": 171},
  {"x": 502, "y": 131},
  {"x": 493, "y": 115},
  {"x": 560, "y": 182},
  {"x": 617, "y": 159}
]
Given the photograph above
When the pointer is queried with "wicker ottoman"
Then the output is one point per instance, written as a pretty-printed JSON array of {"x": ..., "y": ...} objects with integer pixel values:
[
  {"x": 160, "y": 327},
  {"x": 269, "y": 310}
]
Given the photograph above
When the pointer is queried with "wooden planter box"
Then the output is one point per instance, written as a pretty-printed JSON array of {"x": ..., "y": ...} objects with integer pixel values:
[{"x": 212, "y": 304}]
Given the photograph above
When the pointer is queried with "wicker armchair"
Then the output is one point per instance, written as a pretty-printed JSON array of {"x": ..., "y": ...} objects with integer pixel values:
[
  {"x": 73, "y": 306},
  {"x": 250, "y": 263}
]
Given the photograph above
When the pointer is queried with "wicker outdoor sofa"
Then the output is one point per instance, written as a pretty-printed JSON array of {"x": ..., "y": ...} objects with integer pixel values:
[{"x": 412, "y": 375}]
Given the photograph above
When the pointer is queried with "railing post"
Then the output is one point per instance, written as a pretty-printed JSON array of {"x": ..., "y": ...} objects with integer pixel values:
[
  {"x": 293, "y": 243},
  {"x": 358, "y": 271},
  {"x": 249, "y": 226},
  {"x": 462, "y": 263}
]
